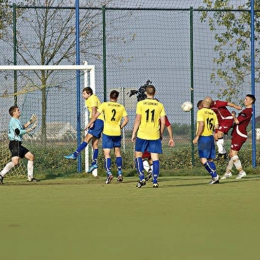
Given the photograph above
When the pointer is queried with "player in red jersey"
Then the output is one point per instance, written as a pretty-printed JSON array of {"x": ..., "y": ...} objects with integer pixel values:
[
  {"x": 239, "y": 136},
  {"x": 225, "y": 120},
  {"x": 147, "y": 160}
]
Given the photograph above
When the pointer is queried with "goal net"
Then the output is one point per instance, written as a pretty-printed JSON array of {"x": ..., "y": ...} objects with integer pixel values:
[{"x": 51, "y": 93}]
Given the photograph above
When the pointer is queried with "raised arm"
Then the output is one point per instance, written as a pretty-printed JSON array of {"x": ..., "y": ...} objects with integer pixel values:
[{"x": 234, "y": 106}]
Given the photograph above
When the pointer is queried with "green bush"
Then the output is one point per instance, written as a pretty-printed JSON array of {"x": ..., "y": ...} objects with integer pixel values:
[{"x": 176, "y": 161}]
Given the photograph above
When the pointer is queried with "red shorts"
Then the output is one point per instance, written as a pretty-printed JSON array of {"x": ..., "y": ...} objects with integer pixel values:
[
  {"x": 237, "y": 141},
  {"x": 225, "y": 126},
  {"x": 146, "y": 155}
]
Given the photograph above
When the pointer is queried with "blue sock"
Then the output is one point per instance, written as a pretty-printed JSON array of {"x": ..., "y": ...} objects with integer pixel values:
[
  {"x": 108, "y": 165},
  {"x": 119, "y": 163},
  {"x": 211, "y": 168},
  {"x": 82, "y": 146},
  {"x": 139, "y": 167},
  {"x": 95, "y": 156},
  {"x": 156, "y": 170}
]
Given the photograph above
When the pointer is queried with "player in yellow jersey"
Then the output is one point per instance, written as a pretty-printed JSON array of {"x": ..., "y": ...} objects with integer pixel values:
[
  {"x": 148, "y": 128},
  {"x": 94, "y": 132},
  {"x": 113, "y": 114},
  {"x": 207, "y": 122}
]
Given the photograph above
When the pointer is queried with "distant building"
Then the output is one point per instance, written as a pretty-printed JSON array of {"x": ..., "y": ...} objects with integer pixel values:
[{"x": 55, "y": 131}]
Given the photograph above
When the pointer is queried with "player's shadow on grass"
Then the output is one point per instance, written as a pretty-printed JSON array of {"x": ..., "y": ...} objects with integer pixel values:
[
  {"x": 222, "y": 182},
  {"x": 52, "y": 176},
  {"x": 185, "y": 178}
]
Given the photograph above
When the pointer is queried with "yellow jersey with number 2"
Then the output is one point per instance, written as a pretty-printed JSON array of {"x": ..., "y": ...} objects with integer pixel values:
[
  {"x": 113, "y": 113},
  {"x": 210, "y": 120}
]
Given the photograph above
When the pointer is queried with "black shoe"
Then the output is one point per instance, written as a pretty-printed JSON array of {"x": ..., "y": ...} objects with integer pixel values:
[
  {"x": 221, "y": 156},
  {"x": 33, "y": 180},
  {"x": 1, "y": 180},
  {"x": 120, "y": 178},
  {"x": 214, "y": 180},
  {"x": 224, "y": 156},
  {"x": 109, "y": 178},
  {"x": 155, "y": 185},
  {"x": 140, "y": 184}
]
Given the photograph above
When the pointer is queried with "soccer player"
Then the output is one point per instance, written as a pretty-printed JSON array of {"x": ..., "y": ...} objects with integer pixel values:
[
  {"x": 147, "y": 160},
  {"x": 239, "y": 136},
  {"x": 15, "y": 133},
  {"x": 111, "y": 138},
  {"x": 95, "y": 130},
  {"x": 147, "y": 133},
  {"x": 207, "y": 122},
  {"x": 225, "y": 120},
  {"x": 200, "y": 104}
]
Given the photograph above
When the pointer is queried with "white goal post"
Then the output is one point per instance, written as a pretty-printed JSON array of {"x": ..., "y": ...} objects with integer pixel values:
[{"x": 89, "y": 81}]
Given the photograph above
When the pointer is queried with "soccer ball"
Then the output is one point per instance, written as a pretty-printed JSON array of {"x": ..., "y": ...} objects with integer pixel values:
[{"x": 187, "y": 106}]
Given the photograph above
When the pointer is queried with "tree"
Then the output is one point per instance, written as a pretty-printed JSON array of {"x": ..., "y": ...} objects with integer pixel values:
[
  {"x": 54, "y": 40},
  {"x": 5, "y": 16},
  {"x": 233, "y": 44}
]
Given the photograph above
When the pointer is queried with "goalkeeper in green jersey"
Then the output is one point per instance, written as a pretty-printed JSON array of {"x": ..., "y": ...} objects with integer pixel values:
[{"x": 15, "y": 133}]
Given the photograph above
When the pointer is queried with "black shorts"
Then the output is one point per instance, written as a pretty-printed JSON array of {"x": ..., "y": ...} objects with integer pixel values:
[{"x": 17, "y": 149}]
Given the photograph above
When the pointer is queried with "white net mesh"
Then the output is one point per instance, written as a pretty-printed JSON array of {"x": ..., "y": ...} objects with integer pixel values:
[{"x": 51, "y": 95}]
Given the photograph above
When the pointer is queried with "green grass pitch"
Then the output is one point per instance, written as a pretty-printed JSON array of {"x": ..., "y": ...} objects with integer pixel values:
[{"x": 82, "y": 218}]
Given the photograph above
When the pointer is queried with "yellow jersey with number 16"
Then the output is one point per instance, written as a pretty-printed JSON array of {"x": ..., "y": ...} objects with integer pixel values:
[{"x": 209, "y": 118}]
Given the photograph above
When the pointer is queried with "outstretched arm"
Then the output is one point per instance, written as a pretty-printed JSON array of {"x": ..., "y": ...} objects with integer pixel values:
[{"x": 234, "y": 106}]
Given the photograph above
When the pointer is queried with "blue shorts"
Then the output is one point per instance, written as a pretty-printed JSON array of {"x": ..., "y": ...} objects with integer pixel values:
[
  {"x": 109, "y": 142},
  {"x": 206, "y": 147},
  {"x": 151, "y": 146},
  {"x": 97, "y": 128}
]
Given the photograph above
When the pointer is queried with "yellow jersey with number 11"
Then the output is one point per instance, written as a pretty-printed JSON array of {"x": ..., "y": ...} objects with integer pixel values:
[{"x": 150, "y": 110}]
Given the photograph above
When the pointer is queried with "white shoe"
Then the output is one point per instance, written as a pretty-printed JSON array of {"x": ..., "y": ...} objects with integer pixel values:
[
  {"x": 214, "y": 180},
  {"x": 240, "y": 175},
  {"x": 226, "y": 175}
]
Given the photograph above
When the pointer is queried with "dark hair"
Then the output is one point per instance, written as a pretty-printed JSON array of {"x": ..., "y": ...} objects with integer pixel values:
[
  {"x": 199, "y": 103},
  {"x": 114, "y": 94},
  {"x": 88, "y": 90},
  {"x": 12, "y": 109},
  {"x": 150, "y": 89},
  {"x": 252, "y": 97}
]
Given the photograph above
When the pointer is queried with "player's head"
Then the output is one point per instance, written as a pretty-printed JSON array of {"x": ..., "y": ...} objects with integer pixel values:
[
  {"x": 200, "y": 104},
  {"x": 249, "y": 99},
  {"x": 207, "y": 102},
  {"x": 88, "y": 90},
  {"x": 150, "y": 90},
  {"x": 13, "y": 109},
  {"x": 114, "y": 95}
]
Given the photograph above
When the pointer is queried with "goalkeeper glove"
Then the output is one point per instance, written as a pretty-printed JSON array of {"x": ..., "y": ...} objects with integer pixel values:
[
  {"x": 32, "y": 119},
  {"x": 32, "y": 127}
]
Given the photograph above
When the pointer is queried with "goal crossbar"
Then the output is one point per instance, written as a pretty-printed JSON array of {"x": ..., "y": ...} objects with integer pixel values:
[
  {"x": 85, "y": 67},
  {"x": 47, "y": 67}
]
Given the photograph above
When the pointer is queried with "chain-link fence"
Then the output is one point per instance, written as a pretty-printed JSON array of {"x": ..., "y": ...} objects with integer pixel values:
[{"x": 181, "y": 51}]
